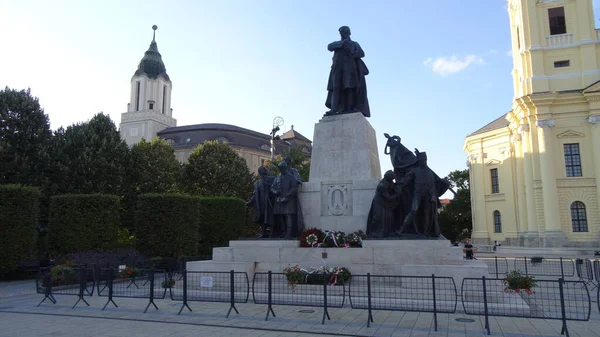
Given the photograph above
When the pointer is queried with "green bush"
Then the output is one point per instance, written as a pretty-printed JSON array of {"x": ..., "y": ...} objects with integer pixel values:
[
  {"x": 82, "y": 222},
  {"x": 167, "y": 224},
  {"x": 221, "y": 219},
  {"x": 18, "y": 220}
]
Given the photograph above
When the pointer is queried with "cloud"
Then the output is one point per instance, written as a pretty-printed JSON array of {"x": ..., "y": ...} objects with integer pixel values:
[{"x": 445, "y": 66}]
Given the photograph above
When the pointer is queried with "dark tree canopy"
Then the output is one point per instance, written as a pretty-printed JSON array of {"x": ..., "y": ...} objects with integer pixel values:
[
  {"x": 215, "y": 169},
  {"x": 24, "y": 138},
  {"x": 93, "y": 157},
  {"x": 455, "y": 218}
]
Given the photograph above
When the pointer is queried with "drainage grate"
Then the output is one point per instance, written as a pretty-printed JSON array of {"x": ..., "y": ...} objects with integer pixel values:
[
  {"x": 306, "y": 311},
  {"x": 464, "y": 320}
]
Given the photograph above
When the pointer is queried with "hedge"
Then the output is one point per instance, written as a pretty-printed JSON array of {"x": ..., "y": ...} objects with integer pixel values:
[
  {"x": 19, "y": 208},
  {"x": 221, "y": 219},
  {"x": 167, "y": 224},
  {"x": 82, "y": 222}
]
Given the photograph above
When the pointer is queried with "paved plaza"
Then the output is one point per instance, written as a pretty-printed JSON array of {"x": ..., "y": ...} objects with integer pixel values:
[{"x": 19, "y": 316}]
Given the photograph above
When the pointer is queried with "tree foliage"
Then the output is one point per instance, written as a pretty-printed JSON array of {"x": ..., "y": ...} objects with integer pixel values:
[
  {"x": 215, "y": 169},
  {"x": 300, "y": 161},
  {"x": 153, "y": 167},
  {"x": 24, "y": 138},
  {"x": 455, "y": 218},
  {"x": 92, "y": 156}
]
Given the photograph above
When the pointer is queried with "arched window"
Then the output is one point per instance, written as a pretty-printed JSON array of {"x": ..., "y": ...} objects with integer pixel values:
[
  {"x": 170, "y": 141},
  {"x": 578, "y": 217},
  {"x": 497, "y": 222},
  {"x": 265, "y": 147},
  {"x": 222, "y": 139},
  {"x": 305, "y": 149}
]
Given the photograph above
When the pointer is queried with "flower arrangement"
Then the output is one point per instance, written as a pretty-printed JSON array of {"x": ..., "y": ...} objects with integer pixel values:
[
  {"x": 333, "y": 275},
  {"x": 516, "y": 282},
  {"x": 295, "y": 275},
  {"x": 63, "y": 273},
  {"x": 355, "y": 239},
  {"x": 168, "y": 283},
  {"x": 128, "y": 272},
  {"x": 334, "y": 239},
  {"x": 311, "y": 237}
]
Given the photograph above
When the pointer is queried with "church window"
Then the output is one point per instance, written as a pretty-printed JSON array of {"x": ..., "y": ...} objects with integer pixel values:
[
  {"x": 164, "y": 98},
  {"x": 265, "y": 147},
  {"x": 557, "y": 21},
  {"x": 497, "y": 222},
  {"x": 222, "y": 139},
  {"x": 578, "y": 217},
  {"x": 562, "y": 64},
  {"x": 169, "y": 141},
  {"x": 495, "y": 183},
  {"x": 137, "y": 96},
  {"x": 151, "y": 105},
  {"x": 572, "y": 160}
]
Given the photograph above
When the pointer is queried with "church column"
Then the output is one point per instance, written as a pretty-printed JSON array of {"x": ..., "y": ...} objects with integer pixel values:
[
  {"x": 521, "y": 204},
  {"x": 478, "y": 182},
  {"x": 531, "y": 236},
  {"x": 553, "y": 236},
  {"x": 594, "y": 120}
]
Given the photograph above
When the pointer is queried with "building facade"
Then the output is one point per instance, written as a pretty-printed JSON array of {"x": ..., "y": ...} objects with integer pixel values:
[
  {"x": 535, "y": 171},
  {"x": 149, "y": 115}
]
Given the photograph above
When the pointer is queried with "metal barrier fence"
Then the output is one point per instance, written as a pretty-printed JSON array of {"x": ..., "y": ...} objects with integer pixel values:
[
  {"x": 74, "y": 281},
  {"x": 496, "y": 265},
  {"x": 140, "y": 283},
  {"x": 232, "y": 287},
  {"x": 274, "y": 289},
  {"x": 403, "y": 293},
  {"x": 538, "y": 266},
  {"x": 550, "y": 299}
]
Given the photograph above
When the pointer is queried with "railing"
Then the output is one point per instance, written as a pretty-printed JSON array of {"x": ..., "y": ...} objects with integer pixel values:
[
  {"x": 557, "y": 41},
  {"x": 144, "y": 283},
  {"x": 550, "y": 299},
  {"x": 538, "y": 266}
]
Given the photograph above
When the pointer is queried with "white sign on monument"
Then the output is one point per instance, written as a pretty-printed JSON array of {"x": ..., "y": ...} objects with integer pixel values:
[{"x": 206, "y": 282}]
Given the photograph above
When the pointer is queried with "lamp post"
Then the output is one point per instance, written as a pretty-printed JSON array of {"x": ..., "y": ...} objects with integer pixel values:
[{"x": 277, "y": 122}]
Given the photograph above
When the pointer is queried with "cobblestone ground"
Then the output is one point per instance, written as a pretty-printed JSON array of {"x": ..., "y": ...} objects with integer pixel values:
[{"x": 19, "y": 316}]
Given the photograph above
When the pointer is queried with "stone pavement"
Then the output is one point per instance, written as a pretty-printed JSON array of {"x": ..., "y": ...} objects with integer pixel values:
[{"x": 19, "y": 316}]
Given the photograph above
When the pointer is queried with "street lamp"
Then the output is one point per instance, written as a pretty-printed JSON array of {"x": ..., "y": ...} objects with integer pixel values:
[{"x": 277, "y": 122}]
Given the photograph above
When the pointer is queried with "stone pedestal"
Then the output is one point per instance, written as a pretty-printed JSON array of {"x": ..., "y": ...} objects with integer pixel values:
[{"x": 344, "y": 172}]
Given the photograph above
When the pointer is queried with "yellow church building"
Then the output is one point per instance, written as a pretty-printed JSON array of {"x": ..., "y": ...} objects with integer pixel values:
[{"x": 535, "y": 171}]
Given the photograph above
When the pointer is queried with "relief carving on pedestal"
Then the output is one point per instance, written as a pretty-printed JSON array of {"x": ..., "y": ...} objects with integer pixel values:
[{"x": 338, "y": 199}]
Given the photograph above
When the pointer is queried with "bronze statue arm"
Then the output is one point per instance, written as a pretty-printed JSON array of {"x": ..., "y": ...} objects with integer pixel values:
[
  {"x": 357, "y": 51},
  {"x": 335, "y": 45}
]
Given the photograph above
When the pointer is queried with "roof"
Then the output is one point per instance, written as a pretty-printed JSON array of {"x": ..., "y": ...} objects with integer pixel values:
[
  {"x": 496, "y": 124},
  {"x": 291, "y": 133},
  {"x": 194, "y": 135},
  {"x": 152, "y": 64}
]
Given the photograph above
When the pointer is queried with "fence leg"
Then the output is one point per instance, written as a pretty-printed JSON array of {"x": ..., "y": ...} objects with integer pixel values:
[
  {"x": 82, "y": 284},
  {"x": 370, "y": 316},
  {"x": 232, "y": 297},
  {"x": 185, "y": 301},
  {"x": 151, "y": 291},
  {"x": 562, "y": 270},
  {"x": 110, "y": 289},
  {"x": 269, "y": 296},
  {"x": 435, "y": 320},
  {"x": 496, "y": 263},
  {"x": 525, "y": 260},
  {"x": 47, "y": 290},
  {"x": 564, "y": 330},
  {"x": 485, "y": 307},
  {"x": 325, "y": 312}
]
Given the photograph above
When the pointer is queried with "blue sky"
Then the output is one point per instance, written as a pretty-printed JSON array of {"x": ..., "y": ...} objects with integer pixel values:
[{"x": 439, "y": 69}]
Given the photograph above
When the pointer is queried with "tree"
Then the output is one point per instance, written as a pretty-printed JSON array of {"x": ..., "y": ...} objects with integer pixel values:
[
  {"x": 153, "y": 167},
  {"x": 455, "y": 218},
  {"x": 215, "y": 169},
  {"x": 300, "y": 161},
  {"x": 92, "y": 157},
  {"x": 24, "y": 138}
]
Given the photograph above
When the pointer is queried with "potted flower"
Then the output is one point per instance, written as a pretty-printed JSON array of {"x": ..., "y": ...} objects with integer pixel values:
[
  {"x": 168, "y": 283},
  {"x": 128, "y": 272},
  {"x": 63, "y": 274},
  {"x": 295, "y": 275},
  {"x": 515, "y": 282}
]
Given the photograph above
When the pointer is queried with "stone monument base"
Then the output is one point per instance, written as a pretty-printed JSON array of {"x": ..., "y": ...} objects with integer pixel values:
[{"x": 378, "y": 257}]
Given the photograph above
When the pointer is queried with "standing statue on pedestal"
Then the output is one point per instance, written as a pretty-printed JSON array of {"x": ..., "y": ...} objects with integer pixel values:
[
  {"x": 381, "y": 218},
  {"x": 293, "y": 171},
  {"x": 262, "y": 202},
  {"x": 285, "y": 189},
  {"x": 347, "y": 87},
  {"x": 426, "y": 189}
]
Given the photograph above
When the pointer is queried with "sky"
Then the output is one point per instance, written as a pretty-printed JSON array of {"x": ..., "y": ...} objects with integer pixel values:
[{"x": 439, "y": 70}]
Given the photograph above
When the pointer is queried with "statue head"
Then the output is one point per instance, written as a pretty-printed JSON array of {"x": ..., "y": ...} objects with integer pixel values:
[
  {"x": 288, "y": 160},
  {"x": 389, "y": 176},
  {"x": 282, "y": 167},
  {"x": 422, "y": 159},
  {"x": 262, "y": 171},
  {"x": 392, "y": 141},
  {"x": 344, "y": 32}
]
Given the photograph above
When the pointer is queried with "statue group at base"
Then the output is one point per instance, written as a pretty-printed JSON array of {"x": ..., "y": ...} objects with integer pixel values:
[
  {"x": 406, "y": 200},
  {"x": 275, "y": 204}
]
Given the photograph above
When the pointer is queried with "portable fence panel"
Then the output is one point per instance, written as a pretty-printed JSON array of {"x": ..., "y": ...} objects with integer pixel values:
[
  {"x": 309, "y": 295},
  {"x": 555, "y": 267},
  {"x": 497, "y": 266},
  {"x": 212, "y": 287},
  {"x": 544, "y": 302},
  {"x": 65, "y": 281},
  {"x": 135, "y": 285},
  {"x": 403, "y": 293}
]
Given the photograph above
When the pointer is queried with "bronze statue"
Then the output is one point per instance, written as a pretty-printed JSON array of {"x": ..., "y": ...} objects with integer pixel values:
[
  {"x": 347, "y": 87},
  {"x": 285, "y": 189},
  {"x": 293, "y": 171},
  {"x": 381, "y": 218},
  {"x": 262, "y": 202}
]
